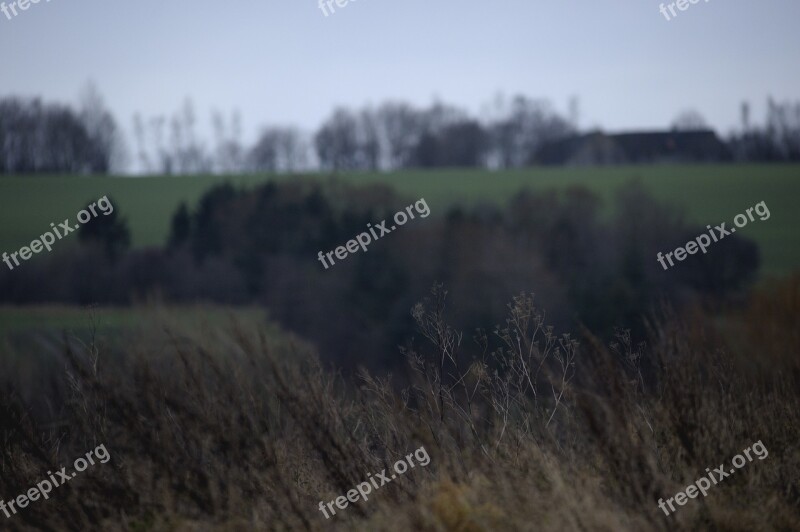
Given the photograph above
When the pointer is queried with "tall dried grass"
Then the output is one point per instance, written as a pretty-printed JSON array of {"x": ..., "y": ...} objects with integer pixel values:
[{"x": 230, "y": 429}]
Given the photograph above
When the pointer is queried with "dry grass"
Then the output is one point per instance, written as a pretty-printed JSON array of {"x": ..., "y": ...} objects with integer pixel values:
[{"x": 228, "y": 429}]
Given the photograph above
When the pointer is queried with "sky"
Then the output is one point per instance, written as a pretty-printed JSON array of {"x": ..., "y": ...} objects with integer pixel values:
[{"x": 282, "y": 62}]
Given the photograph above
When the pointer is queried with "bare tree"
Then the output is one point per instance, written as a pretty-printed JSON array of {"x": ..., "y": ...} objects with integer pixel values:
[
  {"x": 263, "y": 156},
  {"x": 229, "y": 153},
  {"x": 171, "y": 145},
  {"x": 401, "y": 128},
  {"x": 574, "y": 111},
  {"x": 293, "y": 151},
  {"x": 337, "y": 141},
  {"x": 689, "y": 120},
  {"x": 461, "y": 144},
  {"x": 745, "y": 115},
  {"x": 279, "y": 149},
  {"x": 37, "y": 137},
  {"x": 522, "y": 127},
  {"x": 166, "y": 162},
  {"x": 106, "y": 145},
  {"x": 783, "y": 128},
  {"x": 188, "y": 151},
  {"x": 140, "y": 135},
  {"x": 17, "y": 126},
  {"x": 369, "y": 140},
  {"x": 777, "y": 140}
]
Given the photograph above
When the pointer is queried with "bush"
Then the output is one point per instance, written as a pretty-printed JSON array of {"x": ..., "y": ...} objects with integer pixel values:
[{"x": 261, "y": 245}]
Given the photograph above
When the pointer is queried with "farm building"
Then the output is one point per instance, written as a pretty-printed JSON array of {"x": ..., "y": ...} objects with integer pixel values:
[{"x": 598, "y": 148}]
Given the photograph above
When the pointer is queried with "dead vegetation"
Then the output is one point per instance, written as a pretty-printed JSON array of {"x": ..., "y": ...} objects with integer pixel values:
[{"x": 229, "y": 429}]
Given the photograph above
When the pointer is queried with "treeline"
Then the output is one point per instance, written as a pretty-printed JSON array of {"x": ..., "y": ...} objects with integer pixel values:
[
  {"x": 260, "y": 247},
  {"x": 38, "y": 137},
  {"x": 777, "y": 140},
  {"x": 394, "y": 135},
  {"x": 397, "y": 135}
]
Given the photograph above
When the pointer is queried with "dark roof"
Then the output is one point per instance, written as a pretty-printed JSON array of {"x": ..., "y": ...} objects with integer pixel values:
[{"x": 635, "y": 147}]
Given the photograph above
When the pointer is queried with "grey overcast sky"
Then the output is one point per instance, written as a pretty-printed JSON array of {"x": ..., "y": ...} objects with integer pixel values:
[{"x": 284, "y": 62}]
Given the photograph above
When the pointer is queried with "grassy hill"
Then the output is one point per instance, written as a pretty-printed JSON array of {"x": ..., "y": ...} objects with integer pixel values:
[{"x": 710, "y": 194}]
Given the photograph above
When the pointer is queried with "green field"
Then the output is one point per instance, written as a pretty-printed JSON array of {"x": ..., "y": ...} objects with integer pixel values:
[
  {"x": 60, "y": 318},
  {"x": 710, "y": 194},
  {"x": 35, "y": 328}
]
